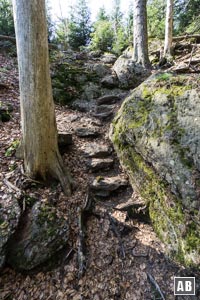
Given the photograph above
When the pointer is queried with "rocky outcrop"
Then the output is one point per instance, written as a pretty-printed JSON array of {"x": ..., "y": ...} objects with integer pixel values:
[
  {"x": 41, "y": 234},
  {"x": 157, "y": 137},
  {"x": 9, "y": 219}
]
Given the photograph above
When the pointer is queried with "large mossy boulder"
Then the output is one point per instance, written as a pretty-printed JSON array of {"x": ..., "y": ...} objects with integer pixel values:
[
  {"x": 42, "y": 232},
  {"x": 157, "y": 137}
]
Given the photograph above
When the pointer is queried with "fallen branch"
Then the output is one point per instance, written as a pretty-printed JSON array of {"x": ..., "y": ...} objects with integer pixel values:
[
  {"x": 8, "y": 38},
  {"x": 185, "y": 37},
  {"x": 185, "y": 70},
  {"x": 155, "y": 284},
  {"x": 12, "y": 187}
]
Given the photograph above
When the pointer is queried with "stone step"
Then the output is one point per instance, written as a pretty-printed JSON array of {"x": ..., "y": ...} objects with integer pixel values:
[
  {"x": 96, "y": 150},
  {"x": 107, "y": 99},
  {"x": 104, "y": 115},
  {"x": 104, "y": 108},
  {"x": 87, "y": 132},
  {"x": 103, "y": 186},
  {"x": 97, "y": 164}
]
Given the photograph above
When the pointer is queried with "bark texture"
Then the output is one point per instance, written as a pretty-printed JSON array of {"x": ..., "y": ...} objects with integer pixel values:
[
  {"x": 40, "y": 148},
  {"x": 168, "y": 29},
  {"x": 140, "y": 40}
]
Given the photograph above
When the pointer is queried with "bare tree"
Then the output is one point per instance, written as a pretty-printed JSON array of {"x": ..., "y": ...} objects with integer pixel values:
[
  {"x": 140, "y": 40},
  {"x": 168, "y": 29},
  {"x": 39, "y": 134}
]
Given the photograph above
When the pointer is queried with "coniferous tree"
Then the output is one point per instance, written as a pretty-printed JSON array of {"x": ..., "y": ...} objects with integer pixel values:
[
  {"x": 120, "y": 34},
  {"x": 186, "y": 16},
  {"x": 102, "y": 36},
  {"x": 129, "y": 24},
  {"x": 79, "y": 25},
  {"x": 6, "y": 18},
  {"x": 156, "y": 11}
]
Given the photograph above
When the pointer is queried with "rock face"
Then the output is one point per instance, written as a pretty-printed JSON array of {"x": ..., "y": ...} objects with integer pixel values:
[
  {"x": 157, "y": 137},
  {"x": 43, "y": 234},
  {"x": 9, "y": 218}
]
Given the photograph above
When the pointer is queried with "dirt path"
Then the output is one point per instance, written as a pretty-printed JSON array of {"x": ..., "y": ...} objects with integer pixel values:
[{"x": 123, "y": 253}]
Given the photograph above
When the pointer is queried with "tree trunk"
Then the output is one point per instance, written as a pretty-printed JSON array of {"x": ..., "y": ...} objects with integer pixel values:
[
  {"x": 140, "y": 43},
  {"x": 168, "y": 29},
  {"x": 39, "y": 132}
]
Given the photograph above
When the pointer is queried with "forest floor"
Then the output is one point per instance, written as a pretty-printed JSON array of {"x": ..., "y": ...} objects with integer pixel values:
[{"x": 125, "y": 263}]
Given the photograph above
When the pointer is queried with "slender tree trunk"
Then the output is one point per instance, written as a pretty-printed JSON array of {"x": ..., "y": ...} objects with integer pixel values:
[
  {"x": 39, "y": 133},
  {"x": 168, "y": 29},
  {"x": 140, "y": 41}
]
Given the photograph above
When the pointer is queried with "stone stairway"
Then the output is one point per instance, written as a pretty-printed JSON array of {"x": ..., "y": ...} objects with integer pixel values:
[{"x": 106, "y": 177}]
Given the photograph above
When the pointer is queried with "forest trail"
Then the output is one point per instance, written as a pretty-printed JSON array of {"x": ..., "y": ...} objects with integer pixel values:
[{"x": 123, "y": 257}]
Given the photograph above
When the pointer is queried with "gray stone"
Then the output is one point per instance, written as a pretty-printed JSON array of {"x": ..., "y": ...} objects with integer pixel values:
[
  {"x": 101, "y": 70},
  {"x": 110, "y": 81},
  {"x": 156, "y": 136},
  {"x": 87, "y": 132},
  {"x": 108, "y": 58},
  {"x": 83, "y": 105},
  {"x": 44, "y": 233},
  {"x": 96, "y": 150},
  {"x": 128, "y": 72},
  {"x": 9, "y": 218},
  {"x": 96, "y": 164},
  {"x": 95, "y": 54},
  {"x": 103, "y": 186},
  {"x": 108, "y": 99},
  {"x": 91, "y": 91}
]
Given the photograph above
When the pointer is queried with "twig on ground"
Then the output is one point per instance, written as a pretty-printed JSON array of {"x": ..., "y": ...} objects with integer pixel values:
[
  {"x": 155, "y": 284},
  {"x": 12, "y": 187},
  {"x": 81, "y": 244}
]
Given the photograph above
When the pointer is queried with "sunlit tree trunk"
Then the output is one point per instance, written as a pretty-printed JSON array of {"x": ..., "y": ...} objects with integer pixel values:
[
  {"x": 140, "y": 40},
  {"x": 39, "y": 133},
  {"x": 168, "y": 29}
]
